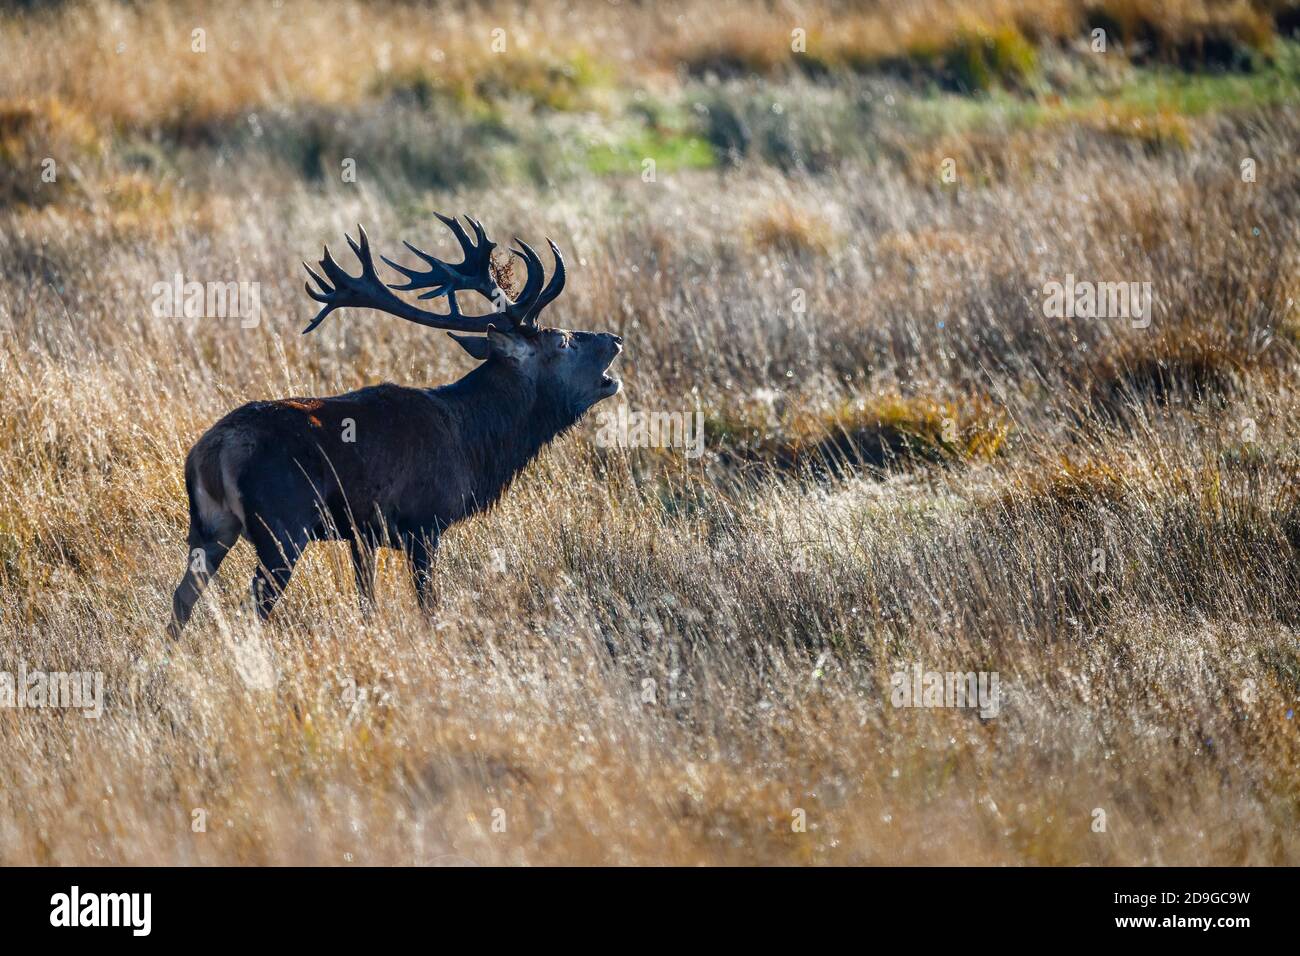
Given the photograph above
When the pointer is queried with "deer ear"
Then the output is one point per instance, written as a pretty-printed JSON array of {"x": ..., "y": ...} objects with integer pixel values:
[
  {"x": 475, "y": 345},
  {"x": 510, "y": 347}
]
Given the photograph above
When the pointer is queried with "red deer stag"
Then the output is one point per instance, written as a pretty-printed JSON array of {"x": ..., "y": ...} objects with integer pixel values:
[{"x": 388, "y": 465}]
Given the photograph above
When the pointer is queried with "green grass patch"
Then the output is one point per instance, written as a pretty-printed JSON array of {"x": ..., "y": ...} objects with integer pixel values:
[
  {"x": 1198, "y": 94},
  {"x": 572, "y": 83},
  {"x": 669, "y": 149},
  {"x": 1145, "y": 103}
]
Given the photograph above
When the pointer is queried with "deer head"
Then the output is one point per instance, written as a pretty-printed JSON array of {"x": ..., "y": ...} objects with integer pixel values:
[{"x": 568, "y": 368}]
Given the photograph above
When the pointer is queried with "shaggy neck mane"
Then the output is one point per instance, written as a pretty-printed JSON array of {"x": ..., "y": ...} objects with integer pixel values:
[{"x": 505, "y": 420}]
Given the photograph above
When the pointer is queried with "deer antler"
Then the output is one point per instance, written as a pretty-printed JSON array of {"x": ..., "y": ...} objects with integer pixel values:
[{"x": 471, "y": 274}]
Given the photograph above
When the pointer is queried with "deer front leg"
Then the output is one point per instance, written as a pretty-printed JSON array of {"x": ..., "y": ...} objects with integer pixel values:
[
  {"x": 363, "y": 568},
  {"x": 421, "y": 549}
]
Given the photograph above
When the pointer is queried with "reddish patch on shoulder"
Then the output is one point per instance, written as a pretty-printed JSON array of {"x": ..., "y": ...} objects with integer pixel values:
[{"x": 310, "y": 405}]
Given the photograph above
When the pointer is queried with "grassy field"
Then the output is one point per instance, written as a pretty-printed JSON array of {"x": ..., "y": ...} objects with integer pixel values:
[{"x": 834, "y": 235}]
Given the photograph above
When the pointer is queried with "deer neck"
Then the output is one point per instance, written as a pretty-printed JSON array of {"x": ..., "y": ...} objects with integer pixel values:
[{"x": 505, "y": 421}]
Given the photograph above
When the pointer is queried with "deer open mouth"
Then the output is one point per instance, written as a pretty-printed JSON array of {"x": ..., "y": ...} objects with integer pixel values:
[{"x": 608, "y": 384}]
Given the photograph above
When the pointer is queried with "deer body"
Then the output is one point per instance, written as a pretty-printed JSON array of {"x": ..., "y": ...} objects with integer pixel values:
[{"x": 387, "y": 465}]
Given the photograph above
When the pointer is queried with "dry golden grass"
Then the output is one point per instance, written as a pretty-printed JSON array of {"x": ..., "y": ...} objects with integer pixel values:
[
  {"x": 641, "y": 658},
  {"x": 136, "y": 65},
  {"x": 787, "y": 229}
]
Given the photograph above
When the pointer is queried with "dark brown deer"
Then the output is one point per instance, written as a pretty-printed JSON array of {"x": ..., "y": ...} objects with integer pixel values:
[{"x": 391, "y": 466}]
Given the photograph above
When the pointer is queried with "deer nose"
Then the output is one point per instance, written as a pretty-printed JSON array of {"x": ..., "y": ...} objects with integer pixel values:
[{"x": 618, "y": 341}]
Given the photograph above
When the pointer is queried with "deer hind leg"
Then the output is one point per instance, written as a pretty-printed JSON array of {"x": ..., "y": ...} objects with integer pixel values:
[
  {"x": 209, "y": 542},
  {"x": 278, "y": 550}
]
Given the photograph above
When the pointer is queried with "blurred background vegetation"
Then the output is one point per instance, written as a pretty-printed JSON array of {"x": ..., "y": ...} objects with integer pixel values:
[
  {"x": 824, "y": 226},
  {"x": 432, "y": 98}
]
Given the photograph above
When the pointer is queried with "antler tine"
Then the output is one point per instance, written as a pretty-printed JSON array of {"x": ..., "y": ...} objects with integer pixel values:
[
  {"x": 327, "y": 293},
  {"x": 453, "y": 223},
  {"x": 553, "y": 288},
  {"x": 362, "y": 251},
  {"x": 533, "y": 282},
  {"x": 323, "y": 295},
  {"x": 415, "y": 279},
  {"x": 480, "y": 234},
  {"x": 414, "y": 275}
]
